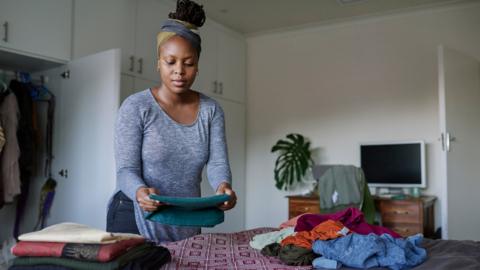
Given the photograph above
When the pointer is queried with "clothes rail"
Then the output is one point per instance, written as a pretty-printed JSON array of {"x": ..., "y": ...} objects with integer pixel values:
[{"x": 13, "y": 74}]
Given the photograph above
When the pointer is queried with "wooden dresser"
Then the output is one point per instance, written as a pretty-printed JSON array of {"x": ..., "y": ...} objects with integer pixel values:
[{"x": 406, "y": 217}]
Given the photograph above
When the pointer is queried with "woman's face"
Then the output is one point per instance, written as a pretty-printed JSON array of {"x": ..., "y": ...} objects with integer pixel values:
[{"x": 177, "y": 64}]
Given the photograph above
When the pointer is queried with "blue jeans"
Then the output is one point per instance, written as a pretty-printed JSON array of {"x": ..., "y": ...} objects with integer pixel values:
[{"x": 121, "y": 215}]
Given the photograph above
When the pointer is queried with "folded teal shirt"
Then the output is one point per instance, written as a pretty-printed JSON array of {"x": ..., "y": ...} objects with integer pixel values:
[{"x": 189, "y": 211}]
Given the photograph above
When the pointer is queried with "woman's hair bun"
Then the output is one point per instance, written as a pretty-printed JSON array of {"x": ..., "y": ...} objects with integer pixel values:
[{"x": 189, "y": 11}]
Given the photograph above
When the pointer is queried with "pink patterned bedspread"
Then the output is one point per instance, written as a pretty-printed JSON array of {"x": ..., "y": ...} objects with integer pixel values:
[{"x": 221, "y": 251}]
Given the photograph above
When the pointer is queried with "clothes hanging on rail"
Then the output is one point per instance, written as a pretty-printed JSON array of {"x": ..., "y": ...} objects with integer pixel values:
[
  {"x": 18, "y": 160},
  {"x": 9, "y": 159},
  {"x": 2, "y": 138},
  {"x": 2, "y": 144}
]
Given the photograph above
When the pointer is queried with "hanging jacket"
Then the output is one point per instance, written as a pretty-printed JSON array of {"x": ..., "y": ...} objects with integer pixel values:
[
  {"x": 343, "y": 186},
  {"x": 9, "y": 165}
]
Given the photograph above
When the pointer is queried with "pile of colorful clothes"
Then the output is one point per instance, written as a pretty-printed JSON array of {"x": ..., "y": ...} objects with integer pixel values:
[
  {"x": 343, "y": 238},
  {"x": 76, "y": 246}
]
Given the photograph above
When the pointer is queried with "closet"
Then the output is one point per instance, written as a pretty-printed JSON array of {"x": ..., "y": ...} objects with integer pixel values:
[{"x": 87, "y": 94}]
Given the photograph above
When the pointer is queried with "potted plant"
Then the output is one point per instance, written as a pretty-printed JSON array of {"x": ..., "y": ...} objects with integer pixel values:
[{"x": 293, "y": 162}]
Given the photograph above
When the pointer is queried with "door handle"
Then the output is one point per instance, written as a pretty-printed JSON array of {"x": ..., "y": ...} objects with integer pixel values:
[
  {"x": 63, "y": 173},
  {"x": 449, "y": 139},
  {"x": 132, "y": 63},
  {"x": 140, "y": 65},
  {"x": 5, "y": 33}
]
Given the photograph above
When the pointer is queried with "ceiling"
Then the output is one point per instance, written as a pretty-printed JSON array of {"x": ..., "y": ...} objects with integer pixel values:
[{"x": 260, "y": 16}]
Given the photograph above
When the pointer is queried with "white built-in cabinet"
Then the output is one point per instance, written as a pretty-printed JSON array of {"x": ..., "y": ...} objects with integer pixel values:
[
  {"x": 222, "y": 63},
  {"x": 37, "y": 28},
  {"x": 149, "y": 19},
  {"x": 103, "y": 25},
  {"x": 131, "y": 25}
]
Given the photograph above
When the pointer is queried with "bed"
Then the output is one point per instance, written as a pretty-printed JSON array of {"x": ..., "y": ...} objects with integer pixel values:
[{"x": 219, "y": 251}]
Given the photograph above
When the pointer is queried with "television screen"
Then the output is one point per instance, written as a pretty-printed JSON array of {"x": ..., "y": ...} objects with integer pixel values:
[{"x": 394, "y": 164}]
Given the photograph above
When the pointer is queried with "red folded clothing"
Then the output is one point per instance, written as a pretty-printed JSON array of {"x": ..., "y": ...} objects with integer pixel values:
[{"x": 86, "y": 252}]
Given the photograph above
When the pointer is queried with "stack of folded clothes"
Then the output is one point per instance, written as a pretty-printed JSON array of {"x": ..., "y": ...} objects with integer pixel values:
[{"x": 76, "y": 246}]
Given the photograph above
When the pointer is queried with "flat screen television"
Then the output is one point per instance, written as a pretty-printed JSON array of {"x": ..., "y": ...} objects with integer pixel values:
[{"x": 394, "y": 164}]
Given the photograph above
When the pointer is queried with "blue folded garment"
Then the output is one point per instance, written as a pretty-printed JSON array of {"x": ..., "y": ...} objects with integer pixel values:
[{"x": 192, "y": 211}]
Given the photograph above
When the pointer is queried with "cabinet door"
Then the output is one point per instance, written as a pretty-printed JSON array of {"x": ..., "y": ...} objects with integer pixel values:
[
  {"x": 126, "y": 87},
  {"x": 38, "y": 28},
  {"x": 149, "y": 19},
  {"x": 235, "y": 132},
  {"x": 88, "y": 106},
  {"x": 132, "y": 85},
  {"x": 142, "y": 84},
  {"x": 206, "y": 81},
  {"x": 231, "y": 66},
  {"x": 103, "y": 25}
]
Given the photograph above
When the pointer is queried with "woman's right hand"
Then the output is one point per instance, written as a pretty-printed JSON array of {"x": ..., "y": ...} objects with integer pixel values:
[{"x": 144, "y": 200}]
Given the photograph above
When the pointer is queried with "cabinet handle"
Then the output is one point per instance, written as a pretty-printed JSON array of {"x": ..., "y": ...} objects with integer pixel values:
[
  {"x": 63, "y": 173},
  {"x": 400, "y": 212},
  {"x": 215, "y": 87},
  {"x": 132, "y": 63},
  {"x": 5, "y": 35},
  {"x": 221, "y": 88},
  {"x": 140, "y": 65}
]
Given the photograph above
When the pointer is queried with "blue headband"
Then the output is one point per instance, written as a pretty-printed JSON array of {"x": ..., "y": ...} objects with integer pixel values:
[{"x": 185, "y": 30}]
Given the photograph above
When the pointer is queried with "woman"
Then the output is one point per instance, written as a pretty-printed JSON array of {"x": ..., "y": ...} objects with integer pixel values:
[{"x": 165, "y": 136}]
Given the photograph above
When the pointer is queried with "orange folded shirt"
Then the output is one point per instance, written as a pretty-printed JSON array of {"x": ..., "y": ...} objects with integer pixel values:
[{"x": 327, "y": 230}]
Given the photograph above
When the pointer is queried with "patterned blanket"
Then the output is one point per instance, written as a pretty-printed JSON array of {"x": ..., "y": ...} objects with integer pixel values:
[{"x": 222, "y": 251}]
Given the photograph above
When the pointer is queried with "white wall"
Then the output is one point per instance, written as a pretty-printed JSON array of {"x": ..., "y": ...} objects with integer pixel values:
[{"x": 368, "y": 80}]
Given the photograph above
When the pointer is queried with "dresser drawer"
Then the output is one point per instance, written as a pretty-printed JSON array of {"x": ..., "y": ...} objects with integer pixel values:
[
  {"x": 400, "y": 212},
  {"x": 297, "y": 207},
  {"x": 408, "y": 216},
  {"x": 404, "y": 229}
]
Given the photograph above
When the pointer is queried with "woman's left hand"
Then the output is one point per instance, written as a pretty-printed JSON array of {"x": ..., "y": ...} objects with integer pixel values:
[{"x": 225, "y": 188}]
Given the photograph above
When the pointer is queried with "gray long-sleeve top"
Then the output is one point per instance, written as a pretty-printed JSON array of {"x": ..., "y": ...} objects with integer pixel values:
[{"x": 153, "y": 150}]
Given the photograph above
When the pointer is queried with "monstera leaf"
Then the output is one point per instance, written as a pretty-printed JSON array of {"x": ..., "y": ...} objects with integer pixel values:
[{"x": 293, "y": 161}]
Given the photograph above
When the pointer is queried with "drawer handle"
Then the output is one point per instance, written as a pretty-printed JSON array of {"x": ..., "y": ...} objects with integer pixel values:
[
  {"x": 400, "y": 212},
  {"x": 401, "y": 230}
]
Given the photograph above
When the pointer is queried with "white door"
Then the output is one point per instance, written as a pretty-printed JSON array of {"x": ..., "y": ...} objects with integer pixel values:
[
  {"x": 235, "y": 133},
  {"x": 459, "y": 94},
  {"x": 83, "y": 144}
]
